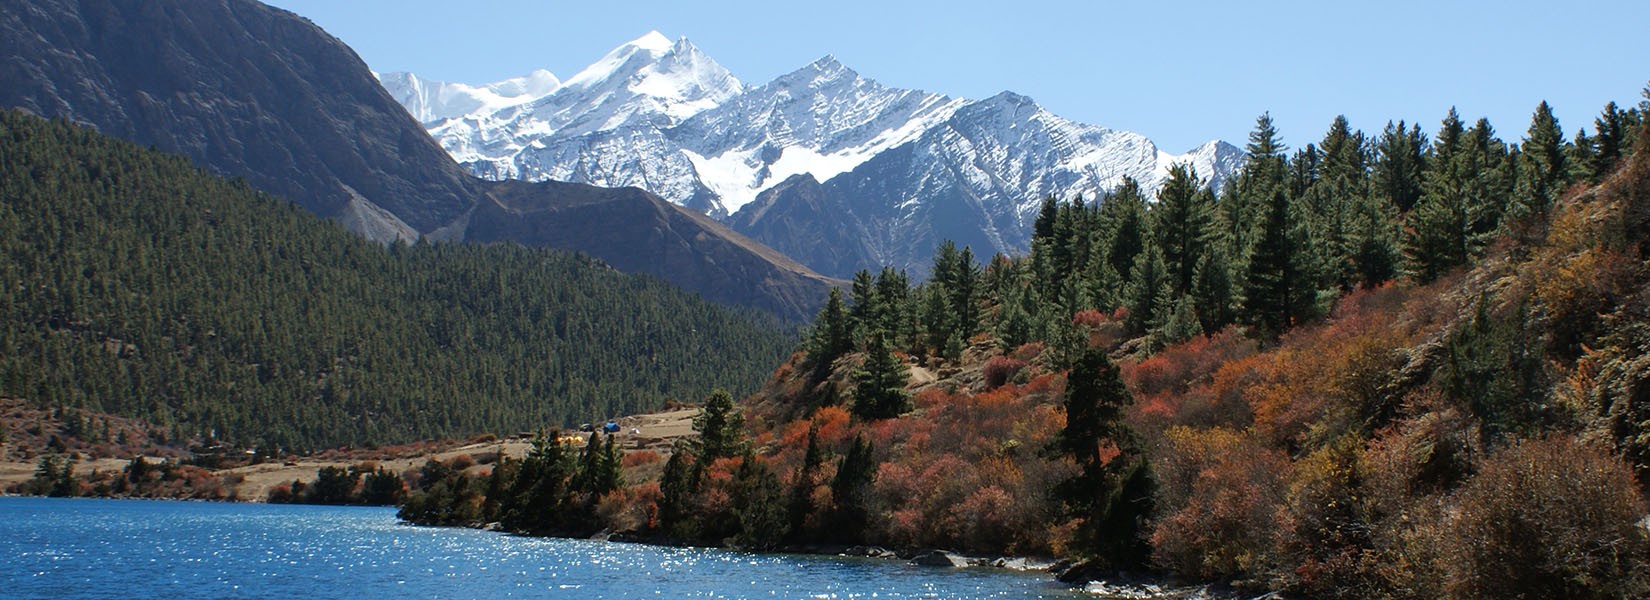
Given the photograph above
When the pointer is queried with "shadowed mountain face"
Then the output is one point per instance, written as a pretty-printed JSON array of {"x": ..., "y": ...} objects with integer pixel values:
[
  {"x": 639, "y": 232},
  {"x": 253, "y": 91},
  {"x": 243, "y": 88}
]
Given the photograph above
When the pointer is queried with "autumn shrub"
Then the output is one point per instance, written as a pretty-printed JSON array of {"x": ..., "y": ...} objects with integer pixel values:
[
  {"x": 1324, "y": 531},
  {"x": 1220, "y": 496},
  {"x": 639, "y": 458},
  {"x": 461, "y": 462},
  {"x": 987, "y": 519},
  {"x": 1549, "y": 518}
]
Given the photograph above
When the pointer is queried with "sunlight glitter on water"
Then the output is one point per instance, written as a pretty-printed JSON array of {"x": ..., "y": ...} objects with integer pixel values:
[{"x": 182, "y": 550}]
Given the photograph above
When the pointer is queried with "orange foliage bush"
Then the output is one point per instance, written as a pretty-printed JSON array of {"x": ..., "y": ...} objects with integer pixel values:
[
  {"x": 641, "y": 457},
  {"x": 1220, "y": 495}
]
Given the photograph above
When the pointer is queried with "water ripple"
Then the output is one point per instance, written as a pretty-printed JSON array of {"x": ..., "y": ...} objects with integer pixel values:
[{"x": 183, "y": 550}]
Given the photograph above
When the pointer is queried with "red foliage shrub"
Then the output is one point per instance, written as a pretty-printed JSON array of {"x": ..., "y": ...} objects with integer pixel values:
[
  {"x": 1089, "y": 318},
  {"x": 1027, "y": 352},
  {"x": 1220, "y": 495},
  {"x": 632, "y": 460}
]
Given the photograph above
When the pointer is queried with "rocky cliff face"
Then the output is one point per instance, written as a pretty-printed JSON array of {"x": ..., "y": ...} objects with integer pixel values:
[{"x": 256, "y": 92}]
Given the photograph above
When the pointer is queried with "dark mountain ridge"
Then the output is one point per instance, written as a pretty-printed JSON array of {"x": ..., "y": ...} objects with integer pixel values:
[{"x": 252, "y": 91}]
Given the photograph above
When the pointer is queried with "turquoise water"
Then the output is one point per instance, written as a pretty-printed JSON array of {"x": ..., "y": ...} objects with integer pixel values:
[{"x": 78, "y": 548}]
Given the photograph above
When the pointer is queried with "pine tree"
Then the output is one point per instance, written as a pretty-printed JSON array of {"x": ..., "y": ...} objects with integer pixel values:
[
  {"x": 721, "y": 429},
  {"x": 1212, "y": 290},
  {"x": 1580, "y": 157},
  {"x": 1609, "y": 141},
  {"x": 832, "y": 335},
  {"x": 879, "y": 383},
  {"x": 1542, "y": 172},
  {"x": 1374, "y": 241},
  {"x": 1149, "y": 289},
  {"x": 1180, "y": 222},
  {"x": 676, "y": 487},
  {"x": 801, "y": 504},
  {"x": 538, "y": 498},
  {"x": 1123, "y": 226},
  {"x": 1112, "y": 497},
  {"x": 1276, "y": 290},
  {"x": 1451, "y": 224},
  {"x": 851, "y": 491},
  {"x": 756, "y": 501},
  {"x": 863, "y": 312},
  {"x": 590, "y": 466},
  {"x": 1345, "y": 155},
  {"x": 1176, "y": 322}
]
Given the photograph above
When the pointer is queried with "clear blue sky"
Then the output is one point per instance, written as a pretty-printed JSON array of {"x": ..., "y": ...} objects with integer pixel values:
[{"x": 1181, "y": 73}]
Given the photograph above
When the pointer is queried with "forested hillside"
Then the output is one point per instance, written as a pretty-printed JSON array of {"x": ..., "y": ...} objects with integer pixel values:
[
  {"x": 135, "y": 284},
  {"x": 1380, "y": 366}
]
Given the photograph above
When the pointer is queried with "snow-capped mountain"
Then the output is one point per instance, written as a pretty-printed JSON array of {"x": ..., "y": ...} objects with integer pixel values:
[
  {"x": 892, "y": 171},
  {"x": 432, "y": 101},
  {"x": 977, "y": 178}
]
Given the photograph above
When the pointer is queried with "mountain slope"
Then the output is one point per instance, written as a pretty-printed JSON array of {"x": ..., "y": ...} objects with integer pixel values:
[
  {"x": 242, "y": 88},
  {"x": 642, "y": 233},
  {"x": 253, "y": 91},
  {"x": 142, "y": 286}
]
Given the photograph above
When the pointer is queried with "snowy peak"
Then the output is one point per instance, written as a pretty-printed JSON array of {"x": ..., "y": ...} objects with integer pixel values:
[
  {"x": 1213, "y": 162},
  {"x": 906, "y": 168},
  {"x": 432, "y": 101},
  {"x": 627, "y": 58},
  {"x": 647, "y": 81}
]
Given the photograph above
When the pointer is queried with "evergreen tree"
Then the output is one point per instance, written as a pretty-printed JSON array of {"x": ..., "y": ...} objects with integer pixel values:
[
  {"x": 676, "y": 487},
  {"x": 1212, "y": 290},
  {"x": 1542, "y": 172},
  {"x": 610, "y": 474},
  {"x": 1374, "y": 241},
  {"x": 851, "y": 491},
  {"x": 1180, "y": 223},
  {"x": 801, "y": 504},
  {"x": 1276, "y": 290},
  {"x": 756, "y": 501},
  {"x": 1176, "y": 322},
  {"x": 1149, "y": 289},
  {"x": 832, "y": 335},
  {"x": 538, "y": 498},
  {"x": 1123, "y": 227},
  {"x": 721, "y": 429},
  {"x": 586, "y": 479},
  {"x": 1459, "y": 209},
  {"x": 1610, "y": 141},
  {"x": 1345, "y": 155},
  {"x": 1015, "y": 325},
  {"x": 1111, "y": 496},
  {"x": 382, "y": 487},
  {"x": 865, "y": 303},
  {"x": 879, "y": 384},
  {"x": 333, "y": 485}
]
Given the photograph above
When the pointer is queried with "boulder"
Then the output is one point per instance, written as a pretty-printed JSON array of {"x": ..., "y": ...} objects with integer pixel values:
[{"x": 939, "y": 558}]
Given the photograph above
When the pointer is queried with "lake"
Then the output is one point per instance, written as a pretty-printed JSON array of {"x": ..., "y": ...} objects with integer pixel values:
[{"x": 84, "y": 548}]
